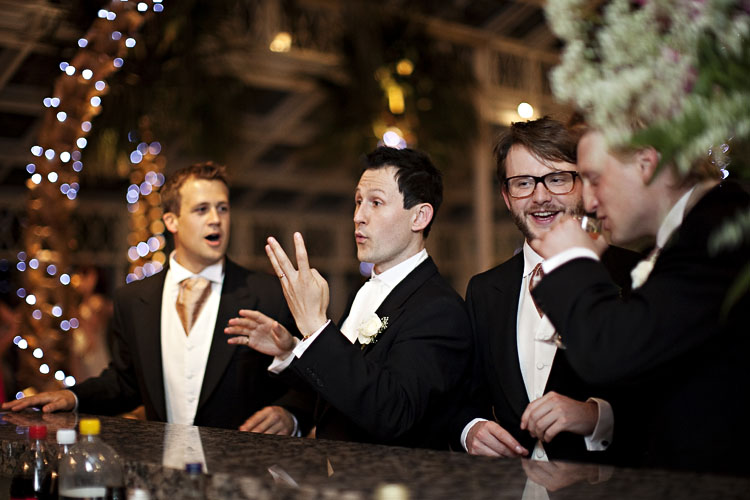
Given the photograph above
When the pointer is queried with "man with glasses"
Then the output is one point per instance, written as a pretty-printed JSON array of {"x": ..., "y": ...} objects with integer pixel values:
[{"x": 526, "y": 397}]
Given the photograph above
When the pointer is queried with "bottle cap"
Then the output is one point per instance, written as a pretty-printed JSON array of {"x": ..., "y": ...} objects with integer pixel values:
[
  {"x": 66, "y": 436},
  {"x": 89, "y": 426},
  {"x": 37, "y": 432},
  {"x": 194, "y": 468}
]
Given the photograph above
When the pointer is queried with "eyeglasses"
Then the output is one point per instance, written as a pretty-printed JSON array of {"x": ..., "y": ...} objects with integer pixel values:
[{"x": 522, "y": 186}]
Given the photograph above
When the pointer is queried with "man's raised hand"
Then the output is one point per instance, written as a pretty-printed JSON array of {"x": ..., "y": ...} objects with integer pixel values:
[
  {"x": 305, "y": 290},
  {"x": 258, "y": 331}
]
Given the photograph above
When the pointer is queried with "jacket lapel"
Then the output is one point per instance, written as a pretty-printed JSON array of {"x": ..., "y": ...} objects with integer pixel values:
[
  {"x": 502, "y": 329},
  {"x": 148, "y": 333},
  {"x": 234, "y": 296},
  {"x": 392, "y": 308},
  {"x": 392, "y": 304},
  {"x": 349, "y": 303}
]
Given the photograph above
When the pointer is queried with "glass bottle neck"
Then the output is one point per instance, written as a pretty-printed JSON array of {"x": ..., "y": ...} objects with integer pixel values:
[{"x": 37, "y": 444}]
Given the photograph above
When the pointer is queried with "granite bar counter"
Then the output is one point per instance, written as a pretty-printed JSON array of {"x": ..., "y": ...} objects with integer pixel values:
[{"x": 250, "y": 466}]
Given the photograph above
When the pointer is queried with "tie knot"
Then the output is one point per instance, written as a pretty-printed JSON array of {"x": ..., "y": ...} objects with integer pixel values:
[
  {"x": 194, "y": 283},
  {"x": 192, "y": 295},
  {"x": 536, "y": 276}
]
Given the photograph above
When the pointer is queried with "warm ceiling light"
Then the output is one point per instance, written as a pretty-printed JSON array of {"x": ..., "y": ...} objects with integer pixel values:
[
  {"x": 404, "y": 67},
  {"x": 525, "y": 110},
  {"x": 282, "y": 42},
  {"x": 396, "y": 102}
]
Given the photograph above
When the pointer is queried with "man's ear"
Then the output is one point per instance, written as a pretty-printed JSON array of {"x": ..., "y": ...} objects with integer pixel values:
[
  {"x": 170, "y": 221},
  {"x": 648, "y": 163},
  {"x": 422, "y": 216},
  {"x": 506, "y": 197}
]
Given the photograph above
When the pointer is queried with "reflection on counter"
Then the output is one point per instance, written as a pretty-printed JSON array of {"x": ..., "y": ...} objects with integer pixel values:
[
  {"x": 247, "y": 466},
  {"x": 182, "y": 445}
]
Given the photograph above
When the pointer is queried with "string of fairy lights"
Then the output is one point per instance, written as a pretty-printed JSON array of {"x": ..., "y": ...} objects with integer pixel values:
[
  {"x": 146, "y": 229},
  {"x": 53, "y": 188}
]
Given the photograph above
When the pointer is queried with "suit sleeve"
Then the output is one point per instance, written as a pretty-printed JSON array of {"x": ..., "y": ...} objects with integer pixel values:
[
  {"x": 387, "y": 393},
  {"x": 115, "y": 390},
  {"x": 614, "y": 339},
  {"x": 475, "y": 402},
  {"x": 298, "y": 399}
]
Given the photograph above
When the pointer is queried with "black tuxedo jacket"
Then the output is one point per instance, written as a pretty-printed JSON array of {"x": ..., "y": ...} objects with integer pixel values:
[
  {"x": 669, "y": 338},
  {"x": 398, "y": 390},
  {"x": 499, "y": 391},
  {"x": 236, "y": 382}
]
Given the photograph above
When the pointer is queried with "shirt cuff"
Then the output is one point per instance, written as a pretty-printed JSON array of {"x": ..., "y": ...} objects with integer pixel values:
[
  {"x": 601, "y": 438},
  {"x": 304, "y": 344},
  {"x": 280, "y": 364},
  {"x": 466, "y": 430},
  {"x": 296, "y": 432},
  {"x": 566, "y": 256}
]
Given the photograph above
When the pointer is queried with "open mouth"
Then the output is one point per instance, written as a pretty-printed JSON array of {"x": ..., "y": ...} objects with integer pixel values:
[
  {"x": 545, "y": 217},
  {"x": 214, "y": 237}
]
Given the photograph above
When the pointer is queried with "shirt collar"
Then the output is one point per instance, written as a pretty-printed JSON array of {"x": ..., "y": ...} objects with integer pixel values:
[
  {"x": 673, "y": 220},
  {"x": 530, "y": 259},
  {"x": 213, "y": 273},
  {"x": 397, "y": 273}
]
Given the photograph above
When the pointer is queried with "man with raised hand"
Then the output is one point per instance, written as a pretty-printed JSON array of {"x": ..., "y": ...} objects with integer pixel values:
[{"x": 393, "y": 369}]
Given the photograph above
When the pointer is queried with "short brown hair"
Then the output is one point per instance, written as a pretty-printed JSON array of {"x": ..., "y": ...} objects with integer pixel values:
[
  {"x": 546, "y": 138},
  {"x": 170, "y": 193},
  {"x": 419, "y": 181}
]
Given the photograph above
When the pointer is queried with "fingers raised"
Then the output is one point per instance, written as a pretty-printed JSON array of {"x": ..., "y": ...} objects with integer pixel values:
[
  {"x": 279, "y": 260},
  {"x": 303, "y": 264}
]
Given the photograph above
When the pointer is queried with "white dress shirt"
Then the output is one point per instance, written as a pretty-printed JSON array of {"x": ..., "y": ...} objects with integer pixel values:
[
  {"x": 366, "y": 302},
  {"x": 535, "y": 358},
  {"x": 184, "y": 356}
]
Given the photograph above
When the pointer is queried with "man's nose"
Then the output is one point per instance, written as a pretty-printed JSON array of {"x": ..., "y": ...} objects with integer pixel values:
[
  {"x": 590, "y": 203},
  {"x": 359, "y": 213},
  {"x": 213, "y": 216},
  {"x": 541, "y": 193}
]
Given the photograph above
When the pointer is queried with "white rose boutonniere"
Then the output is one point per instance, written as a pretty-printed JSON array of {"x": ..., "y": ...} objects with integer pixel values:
[
  {"x": 639, "y": 274},
  {"x": 370, "y": 328}
]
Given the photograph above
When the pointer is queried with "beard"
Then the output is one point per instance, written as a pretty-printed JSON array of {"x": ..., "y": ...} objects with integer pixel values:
[{"x": 520, "y": 219}]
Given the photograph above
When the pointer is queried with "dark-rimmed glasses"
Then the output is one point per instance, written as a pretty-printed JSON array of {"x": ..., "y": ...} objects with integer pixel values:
[{"x": 522, "y": 186}]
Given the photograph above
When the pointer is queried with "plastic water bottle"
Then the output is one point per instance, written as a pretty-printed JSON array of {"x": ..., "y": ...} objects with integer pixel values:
[
  {"x": 93, "y": 470},
  {"x": 196, "y": 482},
  {"x": 66, "y": 438},
  {"x": 31, "y": 474}
]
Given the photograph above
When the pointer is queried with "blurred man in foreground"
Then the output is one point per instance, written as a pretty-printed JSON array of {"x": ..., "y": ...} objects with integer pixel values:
[{"x": 675, "y": 338}]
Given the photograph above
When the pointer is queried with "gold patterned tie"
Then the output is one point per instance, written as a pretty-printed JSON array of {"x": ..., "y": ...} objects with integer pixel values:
[
  {"x": 536, "y": 276},
  {"x": 192, "y": 295}
]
